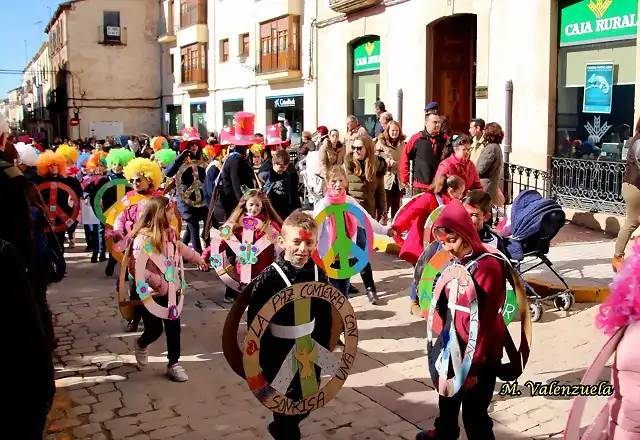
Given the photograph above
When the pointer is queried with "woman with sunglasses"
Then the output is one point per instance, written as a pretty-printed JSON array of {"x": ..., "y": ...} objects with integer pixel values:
[
  {"x": 459, "y": 163},
  {"x": 145, "y": 178},
  {"x": 365, "y": 176}
]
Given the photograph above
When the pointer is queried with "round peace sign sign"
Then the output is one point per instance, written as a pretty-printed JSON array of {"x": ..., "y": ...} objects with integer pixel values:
[
  {"x": 343, "y": 247},
  {"x": 444, "y": 351},
  {"x": 196, "y": 189},
  {"x": 440, "y": 260},
  {"x": 66, "y": 220},
  {"x": 300, "y": 363},
  {"x": 122, "y": 186}
]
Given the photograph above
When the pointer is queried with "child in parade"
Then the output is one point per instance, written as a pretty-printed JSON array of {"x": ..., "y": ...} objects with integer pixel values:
[
  {"x": 71, "y": 154},
  {"x": 278, "y": 181},
  {"x": 299, "y": 240},
  {"x": 154, "y": 227},
  {"x": 96, "y": 168},
  {"x": 455, "y": 231},
  {"x": 478, "y": 205},
  {"x": 81, "y": 175},
  {"x": 145, "y": 177},
  {"x": 252, "y": 204},
  {"x": 336, "y": 193}
]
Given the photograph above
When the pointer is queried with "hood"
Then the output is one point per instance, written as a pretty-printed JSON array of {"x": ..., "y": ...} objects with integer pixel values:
[{"x": 454, "y": 217}]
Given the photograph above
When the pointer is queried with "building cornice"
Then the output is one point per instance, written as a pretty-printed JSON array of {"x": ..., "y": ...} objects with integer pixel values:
[{"x": 343, "y": 17}]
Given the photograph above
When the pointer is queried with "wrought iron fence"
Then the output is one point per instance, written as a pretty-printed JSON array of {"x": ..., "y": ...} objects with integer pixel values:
[{"x": 518, "y": 178}]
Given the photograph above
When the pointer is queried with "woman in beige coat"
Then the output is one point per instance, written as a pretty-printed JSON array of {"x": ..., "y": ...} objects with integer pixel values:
[
  {"x": 332, "y": 153},
  {"x": 389, "y": 147}
]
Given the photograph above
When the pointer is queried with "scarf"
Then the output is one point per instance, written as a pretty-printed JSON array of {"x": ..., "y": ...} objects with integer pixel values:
[{"x": 349, "y": 221}]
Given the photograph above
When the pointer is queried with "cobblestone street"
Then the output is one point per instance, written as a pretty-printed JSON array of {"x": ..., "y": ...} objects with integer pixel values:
[{"x": 102, "y": 394}]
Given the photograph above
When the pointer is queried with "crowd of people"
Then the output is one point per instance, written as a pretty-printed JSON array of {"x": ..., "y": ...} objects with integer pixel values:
[{"x": 133, "y": 199}]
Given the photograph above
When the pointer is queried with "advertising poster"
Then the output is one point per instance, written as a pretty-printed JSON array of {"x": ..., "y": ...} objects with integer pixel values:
[{"x": 598, "y": 88}]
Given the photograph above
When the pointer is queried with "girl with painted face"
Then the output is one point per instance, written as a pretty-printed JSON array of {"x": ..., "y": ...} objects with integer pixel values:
[{"x": 253, "y": 205}]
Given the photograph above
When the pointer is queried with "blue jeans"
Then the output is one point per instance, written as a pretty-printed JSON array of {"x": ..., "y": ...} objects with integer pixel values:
[
  {"x": 99, "y": 245},
  {"x": 414, "y": 291},
  {"x": 341, "y": 285}
]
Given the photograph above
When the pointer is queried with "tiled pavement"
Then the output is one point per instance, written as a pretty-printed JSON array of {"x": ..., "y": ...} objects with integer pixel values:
[{"x": 103, "y": 395}]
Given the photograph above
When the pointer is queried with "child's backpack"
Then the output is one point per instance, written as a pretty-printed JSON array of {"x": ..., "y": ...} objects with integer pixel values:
[{"x": 619, "y": 419}]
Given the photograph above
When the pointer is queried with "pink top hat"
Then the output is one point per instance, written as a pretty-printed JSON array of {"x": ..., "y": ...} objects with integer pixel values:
[
  {"x": 273, "y": 136},
  {"x": 190, "y": 134},
  {"x": 244, "y": 123},
  {"x": 227, "y": 134}
]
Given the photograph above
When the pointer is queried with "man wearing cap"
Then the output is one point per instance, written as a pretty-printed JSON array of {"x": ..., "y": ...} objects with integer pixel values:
[
  {"x": 444, "y": 122},
  {"x": 380, "y": 110}
]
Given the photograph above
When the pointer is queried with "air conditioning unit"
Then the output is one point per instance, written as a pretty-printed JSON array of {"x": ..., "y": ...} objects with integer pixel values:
[{"x": 113, "y": 31}]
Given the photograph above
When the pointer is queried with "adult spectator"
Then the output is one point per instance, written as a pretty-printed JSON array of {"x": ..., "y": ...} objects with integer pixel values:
[
  {"x": 631, "y": 196},
  {"x": 354, "y": 129},
  {"x": 332, "y": 153},
  {"x": 380, "y": 110},
  {"x": 283, "y": 130},
  {"x": 490, "y": 164},
  {"x": 476, "y": 130},
  {"x": 289, "y": 129},
  {"x": 306, "y": 145},
  {"x": 134, "y": 145},
  {"x": 458, "y": 164},
  {"x": 323, "y": 133},
  {"x": 425, "y": 150},
  {"x": 389, "y": 147},
  {"x": 236, "y": 173},
  {"x": 384, "y": 120},
  {"x": 432, "y": 107}
]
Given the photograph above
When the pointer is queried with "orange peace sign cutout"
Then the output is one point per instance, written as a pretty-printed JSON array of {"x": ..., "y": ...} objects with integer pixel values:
[{"x": 55, "y": 212}]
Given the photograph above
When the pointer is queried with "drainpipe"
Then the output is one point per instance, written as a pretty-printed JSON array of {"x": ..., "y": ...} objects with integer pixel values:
[
  {"x": 161, "y": 67},
  {"x": 400, "y": 99},
  {"x": 508, "y": 108}
]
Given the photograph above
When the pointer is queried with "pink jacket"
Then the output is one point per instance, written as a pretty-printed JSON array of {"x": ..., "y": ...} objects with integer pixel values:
[
  {"x": 127, "y": 218},
  {"x": 154, "y": 277},
  {"x": 624, "y": 405},
  {"x": 452, "y": 166}
]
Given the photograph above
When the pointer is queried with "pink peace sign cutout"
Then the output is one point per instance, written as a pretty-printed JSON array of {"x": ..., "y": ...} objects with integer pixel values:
[
  {"x": 196, "y": 189},
  {"x": 246, "y": 251},
  {"x": 55, "y": 211}
]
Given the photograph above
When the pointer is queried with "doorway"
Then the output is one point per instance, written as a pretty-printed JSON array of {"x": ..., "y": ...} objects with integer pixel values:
[{"x": 451, "y": 82}]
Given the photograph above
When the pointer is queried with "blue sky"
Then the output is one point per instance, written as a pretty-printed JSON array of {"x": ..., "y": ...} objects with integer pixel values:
[{"x": 21, "y": 20}]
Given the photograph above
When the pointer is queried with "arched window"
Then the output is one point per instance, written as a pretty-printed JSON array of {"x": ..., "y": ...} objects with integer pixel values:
[{"x": 366, "y": 79}]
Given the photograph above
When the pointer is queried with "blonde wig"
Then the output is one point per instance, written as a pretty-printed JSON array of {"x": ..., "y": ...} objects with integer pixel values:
[
  {"x": 69, "y": 153},
  {"x": 146, "y": 168}
]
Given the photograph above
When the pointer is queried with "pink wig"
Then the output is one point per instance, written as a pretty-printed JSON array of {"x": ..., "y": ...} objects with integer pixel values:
[{"x": 623, "y": 305}]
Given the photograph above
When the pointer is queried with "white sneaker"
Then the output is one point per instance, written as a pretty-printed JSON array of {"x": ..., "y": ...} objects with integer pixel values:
[
  {"x": 142, "y": 355},
  {"x": 177, "y": 373}
]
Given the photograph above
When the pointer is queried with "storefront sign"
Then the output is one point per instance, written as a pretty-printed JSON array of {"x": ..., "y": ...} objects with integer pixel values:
[
  {"x": 366, "y": 56},
  {"x": 598, "y": 89},
  {"x": 590, "y": 21},
  {"x": 284, "y": 102}
]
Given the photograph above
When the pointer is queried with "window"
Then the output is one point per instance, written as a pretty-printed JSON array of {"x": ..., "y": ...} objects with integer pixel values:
[
  {"x": 244, "y": 44},
  {"x": 193, "y": 12},
  {"x": 224, "y": 50},
  {"x": 193, "y": 62},
  {"x": 279, "y": 44},
  {"x": 172, "y": 63},
  {"x": 111, "y": 22}
]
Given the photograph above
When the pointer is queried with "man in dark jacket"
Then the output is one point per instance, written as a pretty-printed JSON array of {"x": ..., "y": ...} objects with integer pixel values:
[{"x": 236, "y": 173}]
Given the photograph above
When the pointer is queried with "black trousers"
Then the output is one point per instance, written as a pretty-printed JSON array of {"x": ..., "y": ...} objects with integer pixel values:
[
  {"x": 192, "y": 234},
  {"x": 475, "y": 403},
  {"x": 153, "y": 327}
]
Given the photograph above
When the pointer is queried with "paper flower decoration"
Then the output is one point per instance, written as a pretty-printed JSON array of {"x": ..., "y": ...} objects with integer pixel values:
[
  {"x": 148, "y": 248},
  {"x": 272, "y": 236},
  {"x": 142, "y": 289},
  {"x": 250, "y": 223},
  {"x": 173, "y": 313},
  {"x": 215, "y": 261},
  {"x": 183, "y": 284},
  {"x": 225, "y": 232},
  {"x": 170, "y": 274}
]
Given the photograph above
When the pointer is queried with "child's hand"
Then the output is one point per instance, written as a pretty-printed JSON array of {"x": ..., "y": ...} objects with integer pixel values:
[
  {"x": 392, "y": 232},
  {"x": 203, "y": 266}
]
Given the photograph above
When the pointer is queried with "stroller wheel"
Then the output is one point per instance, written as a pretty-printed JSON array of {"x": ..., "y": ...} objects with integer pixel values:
[
  {"x": 535, "y": 309},
  {"x": 564, "y": 301}
]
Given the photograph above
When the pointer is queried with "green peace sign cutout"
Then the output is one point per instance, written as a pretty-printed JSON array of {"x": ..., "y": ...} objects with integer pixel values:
[
  {"x": 196, "y": 188},
  {"x": 343, "y": 247},
  {"x": 122, "y": 186}
]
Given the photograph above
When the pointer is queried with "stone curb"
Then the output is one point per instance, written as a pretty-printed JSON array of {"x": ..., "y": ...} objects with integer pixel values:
[{"x": 582, "y": 294}]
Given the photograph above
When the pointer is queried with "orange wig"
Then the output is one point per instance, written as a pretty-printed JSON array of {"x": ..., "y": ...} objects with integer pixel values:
[
  {"x": 99, "y": 158},
  {"x": 48, "y": 158}
]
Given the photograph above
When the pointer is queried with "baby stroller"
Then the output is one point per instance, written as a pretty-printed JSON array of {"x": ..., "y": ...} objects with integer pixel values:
[
  {"x": 535, "y": 221},
  {"x": 309, "y": 171}
]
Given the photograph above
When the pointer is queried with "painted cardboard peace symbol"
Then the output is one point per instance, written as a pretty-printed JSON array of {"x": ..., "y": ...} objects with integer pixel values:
[
  {"x": 196, "y": 189},
  {"x": 429, "y": 223},
  {"x": 55, "y": 212},
  {"x": 246, "y": 252},
  {"x": 122, "y": 186},
  {"x": 440, "y": 260},
  {"x": 171, "y": 267},
  {"x": 305, "y": 354},
  {"x": 343, "y": 247},
  {"x": 117, "y": 248},
  {"x": 443, "y": 352}
]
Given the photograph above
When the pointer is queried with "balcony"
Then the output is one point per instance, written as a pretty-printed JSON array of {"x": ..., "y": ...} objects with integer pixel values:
[
  {"x": 169, "y": 36},
  {"x": 351, "y": 6},
  {"x": 112, "y": 35},
  {"x": 279, "y": 66},
  {"x": 193, "y": 79},
  {"x": 192, "y": 13}
]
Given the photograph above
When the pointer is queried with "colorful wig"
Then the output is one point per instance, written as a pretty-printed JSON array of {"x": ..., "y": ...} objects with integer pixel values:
[
  {"x": 68, "y": 152},
  {"x": 119, "y": 156},
  {"x": 27, "y": 154},
  {"x": 83, "y": 159},
  {"x": 623, "y": 305},
  {"x": 99, "y": 158},
  {"x": 144, "y": 167},
  {"x": 210, "y": 152},
  {"x": 165, "y": 157},
  {"x": 48, "y": 158}
]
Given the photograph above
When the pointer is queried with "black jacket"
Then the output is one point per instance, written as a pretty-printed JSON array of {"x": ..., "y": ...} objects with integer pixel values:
[
  {"x": 236, "y": 173},
  {"x": 110, "y": 196},
  {"x": 279, "y": 191},
  {"x": 187, "y": 211},
  {"x": 426, "y": 152}
]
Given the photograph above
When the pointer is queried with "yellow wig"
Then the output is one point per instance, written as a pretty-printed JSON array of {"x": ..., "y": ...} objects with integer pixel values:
[
  {"x": 144, "y": 167},
  {"x": 48, "y": 158},
  {"x": 69, "y": 153},
  {"x": 99, "y": 158}
]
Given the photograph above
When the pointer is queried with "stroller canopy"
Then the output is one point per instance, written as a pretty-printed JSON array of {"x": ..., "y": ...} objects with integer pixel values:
[{"x": 527, "y": 214}]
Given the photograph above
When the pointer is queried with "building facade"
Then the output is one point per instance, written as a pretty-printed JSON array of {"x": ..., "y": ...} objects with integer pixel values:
[
  {"x": 241, "y": 55},
  {"x": 14, "y": 110},
  {"x": 36, "y": 83},
  {"x": 105, "y": 65}
]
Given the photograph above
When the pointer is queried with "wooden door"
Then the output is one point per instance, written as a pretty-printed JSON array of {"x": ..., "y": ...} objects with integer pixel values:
[{"x": 453, "y": 69}]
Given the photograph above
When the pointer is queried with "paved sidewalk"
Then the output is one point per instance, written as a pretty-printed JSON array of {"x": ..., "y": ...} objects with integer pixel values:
[{"x": 103, "y": 395}]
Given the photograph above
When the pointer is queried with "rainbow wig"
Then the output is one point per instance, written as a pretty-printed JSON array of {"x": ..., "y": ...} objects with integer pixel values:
[
  {"x": 119, "y": 156},
  {"x": 99, "y": 158},
  {"x": 83, "y": 159},
  {"x": 623, "y": 305},
  {"x": 27, "y": 154},
  {"x": 68, "y": 152},
  {"x": 165, "y": 157},
  {"x": 144, "y": 167},
  {"x": 48, "y": 158}
]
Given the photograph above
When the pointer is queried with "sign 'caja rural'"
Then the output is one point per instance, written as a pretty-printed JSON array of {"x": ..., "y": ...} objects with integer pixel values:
[
  {"x": 593, "y": 21},
  {"x": 366, "y": 56}
]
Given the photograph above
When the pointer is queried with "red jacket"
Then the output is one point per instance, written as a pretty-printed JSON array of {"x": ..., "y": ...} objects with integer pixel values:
[
  {"x": 412, "y": 217},
  {"x": 426, "y": 152},
  {"x": 452, "y": 166}
]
